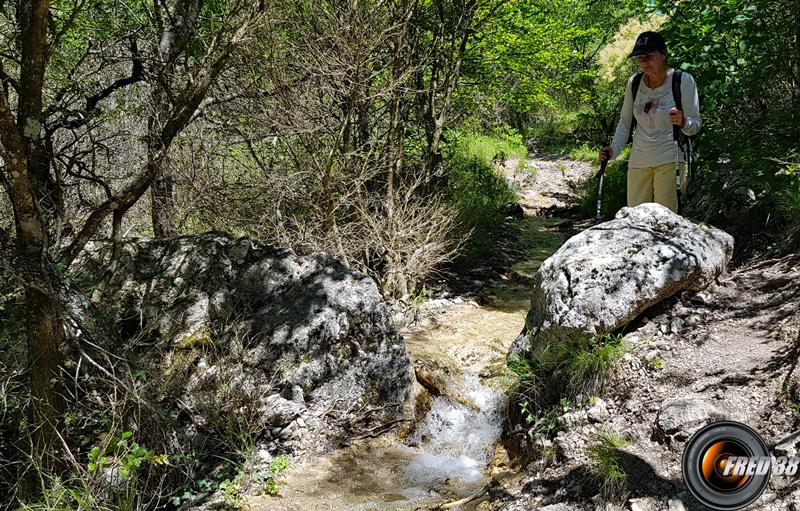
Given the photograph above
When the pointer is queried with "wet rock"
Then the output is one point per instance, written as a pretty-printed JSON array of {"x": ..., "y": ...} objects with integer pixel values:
[
  {"x": 683, "y": 416},
  {"x": 607, "y": 275}
]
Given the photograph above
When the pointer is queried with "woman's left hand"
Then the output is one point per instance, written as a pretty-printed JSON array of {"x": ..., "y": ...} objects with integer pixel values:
[{"x": 676, "y": 116}]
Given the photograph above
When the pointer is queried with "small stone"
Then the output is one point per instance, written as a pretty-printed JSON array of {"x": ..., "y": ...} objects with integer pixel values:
[
  {"x": 676, "y": 325},
  {"x": 649, "y": 329},
  {"x": 280, "y": 410},
  {"x": 692, "y": 320},
  {"x": 556, "y": 507},
  {"x": 300, "y": 422},
  {"x": 676, "y": 505},
  {"x": 598, "y": 412},
  {"x": 633, "y": 406},
  {"x": 632, "y": 360},
  {"x": 660, "y": 319},
  {"x": 264, "y": 456},
  {"x": 571, "y": 419},
  {"x": 642, "y": 504},
  {"x": 651, "y": 355}
]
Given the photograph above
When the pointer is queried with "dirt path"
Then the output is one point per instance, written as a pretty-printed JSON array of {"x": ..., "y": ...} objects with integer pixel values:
[{"x": 546, "y": 183}]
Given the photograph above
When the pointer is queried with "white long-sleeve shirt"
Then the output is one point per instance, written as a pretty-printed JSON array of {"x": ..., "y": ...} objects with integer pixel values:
[{"x": 652, "y": 141}]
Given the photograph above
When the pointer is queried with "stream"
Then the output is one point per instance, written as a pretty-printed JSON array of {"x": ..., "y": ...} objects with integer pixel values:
[{"x": 453, "y": 452}]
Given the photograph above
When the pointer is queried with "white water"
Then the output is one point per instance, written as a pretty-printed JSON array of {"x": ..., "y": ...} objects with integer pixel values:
[{"x": 454, "y": 442}]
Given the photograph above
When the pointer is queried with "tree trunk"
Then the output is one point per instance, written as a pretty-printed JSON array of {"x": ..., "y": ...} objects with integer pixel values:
[
  {"x": 45, "y": 330},
  {"x": 162, "y": 193}
]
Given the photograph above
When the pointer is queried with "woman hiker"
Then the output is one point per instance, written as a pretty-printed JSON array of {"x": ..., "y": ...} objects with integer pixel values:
[{"x": 652, "y": 163}]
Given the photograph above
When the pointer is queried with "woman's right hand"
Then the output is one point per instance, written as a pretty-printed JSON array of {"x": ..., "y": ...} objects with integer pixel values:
[{"x": 605, "y": 153}]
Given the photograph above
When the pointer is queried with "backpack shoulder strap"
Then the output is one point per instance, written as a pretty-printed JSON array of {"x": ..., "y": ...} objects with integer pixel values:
[
  {"x": 676, "y": 88},
  {"x": 677, "y": 74},
  {"x": 637, "y": 80}
]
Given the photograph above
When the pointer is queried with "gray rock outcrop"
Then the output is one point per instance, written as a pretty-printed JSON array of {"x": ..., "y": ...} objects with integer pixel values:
[
  {"x": 234, "y": 330},
  {"x": 604, "y": 277},
  {"x": 683, "y": 416}
]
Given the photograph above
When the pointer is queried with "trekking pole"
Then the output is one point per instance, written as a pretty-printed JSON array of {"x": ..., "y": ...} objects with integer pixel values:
[
  {"x": 676, "y": 137},
  {"x": 677, "y": 175},
  {"x": 599, "y": 176}
]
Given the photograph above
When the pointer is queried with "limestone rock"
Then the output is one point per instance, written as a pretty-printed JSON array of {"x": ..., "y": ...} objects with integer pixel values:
[
  {"x": 598, "y": 412},
  {"x": 281, "y": 411},
  {"x": 685, "y": 415},
  {"x": 229, "y": 322},
  {"x": 605, "y": 276}
]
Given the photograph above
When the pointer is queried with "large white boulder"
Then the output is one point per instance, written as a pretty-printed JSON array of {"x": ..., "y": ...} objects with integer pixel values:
[{"x": 604, "y": 277}]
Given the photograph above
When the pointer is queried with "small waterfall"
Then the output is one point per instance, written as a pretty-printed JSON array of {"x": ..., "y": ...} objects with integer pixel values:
[{"x": 454, "y": 441}]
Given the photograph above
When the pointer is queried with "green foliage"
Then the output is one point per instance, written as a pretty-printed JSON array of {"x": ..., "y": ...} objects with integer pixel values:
[
  {"x": 476, "y": 189},
  {"x": 607, "y": 470},
  {"x": 124, "y": 455},
  {"x": 737, "y": 52},
  {"x": 123, "y": 458},
  {"x": 563, "y": 368},
  {"x": 656, "y": 364},
  {"x": 548, "y": 423},
  {"x": 614, "y": 192},
  {"x": 534, "y": 64},
  {"x": 496, "y": 146},
  {"x": 585, "y": 152},
  {"x": 271, "y": 483},
  {"x": 66, "y": 495}
]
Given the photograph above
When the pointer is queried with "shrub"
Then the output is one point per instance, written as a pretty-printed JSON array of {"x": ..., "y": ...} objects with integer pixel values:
[
  {"x": 478, "y": 193},
  {"x": 614, "y": 192},
  {"x": 607, "y": 470},
  {"x": 563, "y": 369}
]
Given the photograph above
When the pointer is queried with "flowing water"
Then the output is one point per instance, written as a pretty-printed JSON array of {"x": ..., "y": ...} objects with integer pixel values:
[{"x": 450, "y": 453}]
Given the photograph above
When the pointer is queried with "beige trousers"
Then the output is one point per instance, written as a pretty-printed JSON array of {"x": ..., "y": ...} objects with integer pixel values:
[{"x": 655, "y": 184}]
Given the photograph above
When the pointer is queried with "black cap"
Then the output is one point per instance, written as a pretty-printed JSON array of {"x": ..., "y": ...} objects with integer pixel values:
[{"x": 648, "y": 42}]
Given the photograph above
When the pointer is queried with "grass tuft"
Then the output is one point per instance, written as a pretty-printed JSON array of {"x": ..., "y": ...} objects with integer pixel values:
[{"x": 606, "y": 469}]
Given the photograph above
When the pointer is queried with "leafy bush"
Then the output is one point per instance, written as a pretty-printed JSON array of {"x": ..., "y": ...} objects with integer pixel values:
[
  {"x": 614, "y": 192},
  {"x": 496, "y": 146},
  {"x": 475, "y": 187}
]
